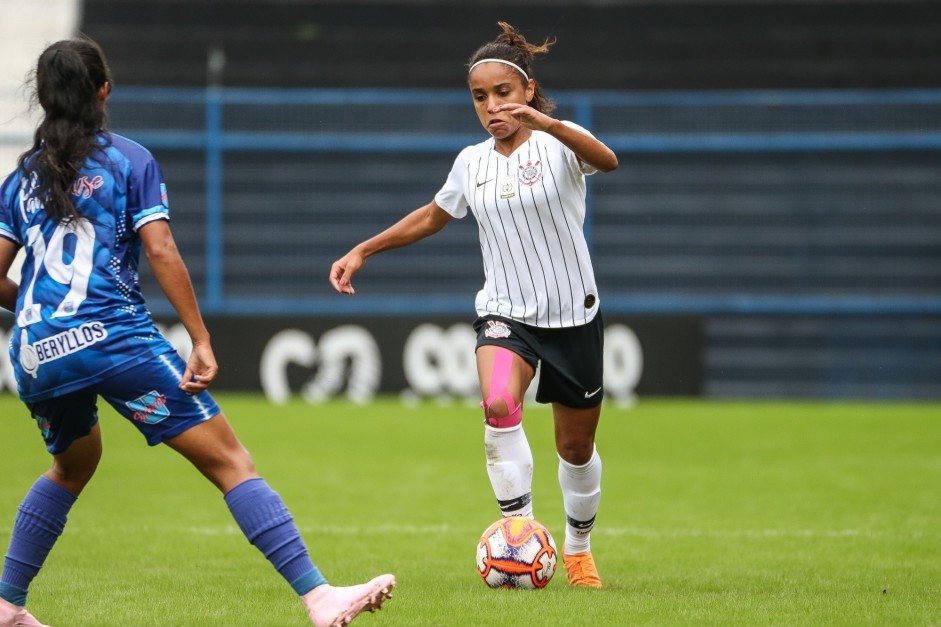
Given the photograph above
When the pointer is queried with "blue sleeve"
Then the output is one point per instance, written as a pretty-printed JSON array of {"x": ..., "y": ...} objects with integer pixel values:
[
  {"x": 7, "y": 229},
  {"x": 147, "y": 194}
]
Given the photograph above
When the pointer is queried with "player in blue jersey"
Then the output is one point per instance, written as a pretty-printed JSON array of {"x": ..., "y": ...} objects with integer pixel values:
[{"x": 84, "y": 202}]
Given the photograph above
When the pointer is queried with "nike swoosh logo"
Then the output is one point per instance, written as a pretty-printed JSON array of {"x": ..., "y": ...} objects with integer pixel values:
[
  {"x": 590, "y": 394},
  {"x": 484, "y": 183}
]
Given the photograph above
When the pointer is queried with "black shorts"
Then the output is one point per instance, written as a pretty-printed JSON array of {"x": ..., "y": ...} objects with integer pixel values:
[{"x": 571, "y": 359}]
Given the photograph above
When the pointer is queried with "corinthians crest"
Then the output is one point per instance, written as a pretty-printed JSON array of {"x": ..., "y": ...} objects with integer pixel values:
[
  {"x": 497, "y": 329},
  {"x": 531, "y": 173}
]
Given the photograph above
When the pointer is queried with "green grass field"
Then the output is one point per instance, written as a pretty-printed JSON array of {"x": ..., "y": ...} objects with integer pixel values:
[{"x": 713, "y": 513}]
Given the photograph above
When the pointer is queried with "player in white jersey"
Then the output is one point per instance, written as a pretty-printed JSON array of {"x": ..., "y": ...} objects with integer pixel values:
[
  {"x": 83, "y": 203},
  {"x": 539, "y": 304}
]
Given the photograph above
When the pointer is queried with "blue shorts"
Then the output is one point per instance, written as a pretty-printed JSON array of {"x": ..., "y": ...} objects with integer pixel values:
[{"x": 146, "y": 394}]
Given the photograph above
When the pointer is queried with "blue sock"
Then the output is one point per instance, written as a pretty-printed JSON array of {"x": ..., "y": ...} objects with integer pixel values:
[
  {"x": 267, "y": 523},
  {"x": 39, "y": 523}
]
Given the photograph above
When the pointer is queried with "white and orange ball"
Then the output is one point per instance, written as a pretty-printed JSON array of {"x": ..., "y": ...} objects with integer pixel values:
[{"x": 516, "y": 552}]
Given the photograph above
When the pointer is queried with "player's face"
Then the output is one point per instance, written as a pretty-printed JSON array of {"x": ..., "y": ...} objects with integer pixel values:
[{"x": 493, "y": 84}]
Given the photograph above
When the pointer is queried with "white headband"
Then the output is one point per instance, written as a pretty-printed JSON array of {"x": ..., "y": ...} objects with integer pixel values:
[{"x": 504, "y": 62}]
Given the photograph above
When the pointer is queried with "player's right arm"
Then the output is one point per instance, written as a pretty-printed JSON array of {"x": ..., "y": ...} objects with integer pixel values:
[
  {"x": 417, "y": 225},
  {"x": 9, "y": 246},
  {"x": 8, "y": 288},
  {"x": 174, "y": 280}
]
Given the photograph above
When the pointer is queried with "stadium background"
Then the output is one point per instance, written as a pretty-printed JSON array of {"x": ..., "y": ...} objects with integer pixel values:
[{"x": 774, "y": 228}]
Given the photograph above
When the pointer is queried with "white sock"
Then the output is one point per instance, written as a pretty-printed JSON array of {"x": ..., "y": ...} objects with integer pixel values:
[
  {"x": 510, "y": 467},
  {"x": 581, "y": 494}
]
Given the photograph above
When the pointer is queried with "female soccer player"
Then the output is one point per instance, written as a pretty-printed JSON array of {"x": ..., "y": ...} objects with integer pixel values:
[
  {"x": 83, "y": 202},
  {"x": 539, "y": 304}
]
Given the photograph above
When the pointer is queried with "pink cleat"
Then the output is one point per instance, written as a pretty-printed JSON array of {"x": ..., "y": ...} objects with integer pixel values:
[
  {"x": 15, "y": 616},
  {"x": 329, "y": 606}
]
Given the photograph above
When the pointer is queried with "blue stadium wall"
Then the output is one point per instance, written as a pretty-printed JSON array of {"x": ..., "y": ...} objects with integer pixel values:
[{"x": 774, "y": 228}]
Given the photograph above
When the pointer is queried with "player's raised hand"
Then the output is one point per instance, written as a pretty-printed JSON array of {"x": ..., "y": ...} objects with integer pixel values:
[
  {"x": 343, "y": 269},
  {"x": 526, "y": 115},
  {"x": 201, "y": 369}
]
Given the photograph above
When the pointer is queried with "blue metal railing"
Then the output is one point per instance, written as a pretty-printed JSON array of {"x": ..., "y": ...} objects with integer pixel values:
[{"x": 707, "y": 123}]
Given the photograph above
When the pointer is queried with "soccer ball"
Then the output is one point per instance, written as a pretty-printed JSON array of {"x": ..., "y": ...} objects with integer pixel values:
[{"x": 516, "y": 552}]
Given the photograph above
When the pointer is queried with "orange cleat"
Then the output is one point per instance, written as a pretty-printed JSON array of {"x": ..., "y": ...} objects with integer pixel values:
[{"x": 581, "y": 570}]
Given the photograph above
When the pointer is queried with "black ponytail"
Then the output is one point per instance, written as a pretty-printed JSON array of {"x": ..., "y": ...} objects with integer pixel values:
[{"x": 68, "y": 78}]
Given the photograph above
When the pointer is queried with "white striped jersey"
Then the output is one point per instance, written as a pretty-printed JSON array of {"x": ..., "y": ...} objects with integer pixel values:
[{"x": 530, "y": 210}]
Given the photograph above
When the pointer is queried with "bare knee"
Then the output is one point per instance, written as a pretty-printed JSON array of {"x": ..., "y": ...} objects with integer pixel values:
[
  {"x": 577, "y": 452},
  {"x": 73, "y": 475},
  {"x": 214, "y": 450},
  {"x": 242, "y": 464},
  {"x": 73, "y": 468},
  {"x": 575, "y": 433},
  {"x": 227, "y": 467}
]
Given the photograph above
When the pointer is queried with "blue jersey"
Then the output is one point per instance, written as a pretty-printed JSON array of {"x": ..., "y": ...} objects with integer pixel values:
[{"x": 80, "y": 315}]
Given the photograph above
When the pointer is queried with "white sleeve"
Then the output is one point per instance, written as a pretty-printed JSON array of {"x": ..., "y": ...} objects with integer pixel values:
[
  {"x": 451, "y": 196},
  {"x": 580, "y": 165}
]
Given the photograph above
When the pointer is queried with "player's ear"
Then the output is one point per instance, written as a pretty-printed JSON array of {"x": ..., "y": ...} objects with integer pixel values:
[{"x": 530, "y": 90}]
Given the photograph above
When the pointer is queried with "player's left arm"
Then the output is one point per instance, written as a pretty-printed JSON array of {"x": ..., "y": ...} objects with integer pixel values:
[
  {"x": 587, "y": 148},
  {"x": 8, "y": 288},
  {"x": 174, "y": 279}
]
